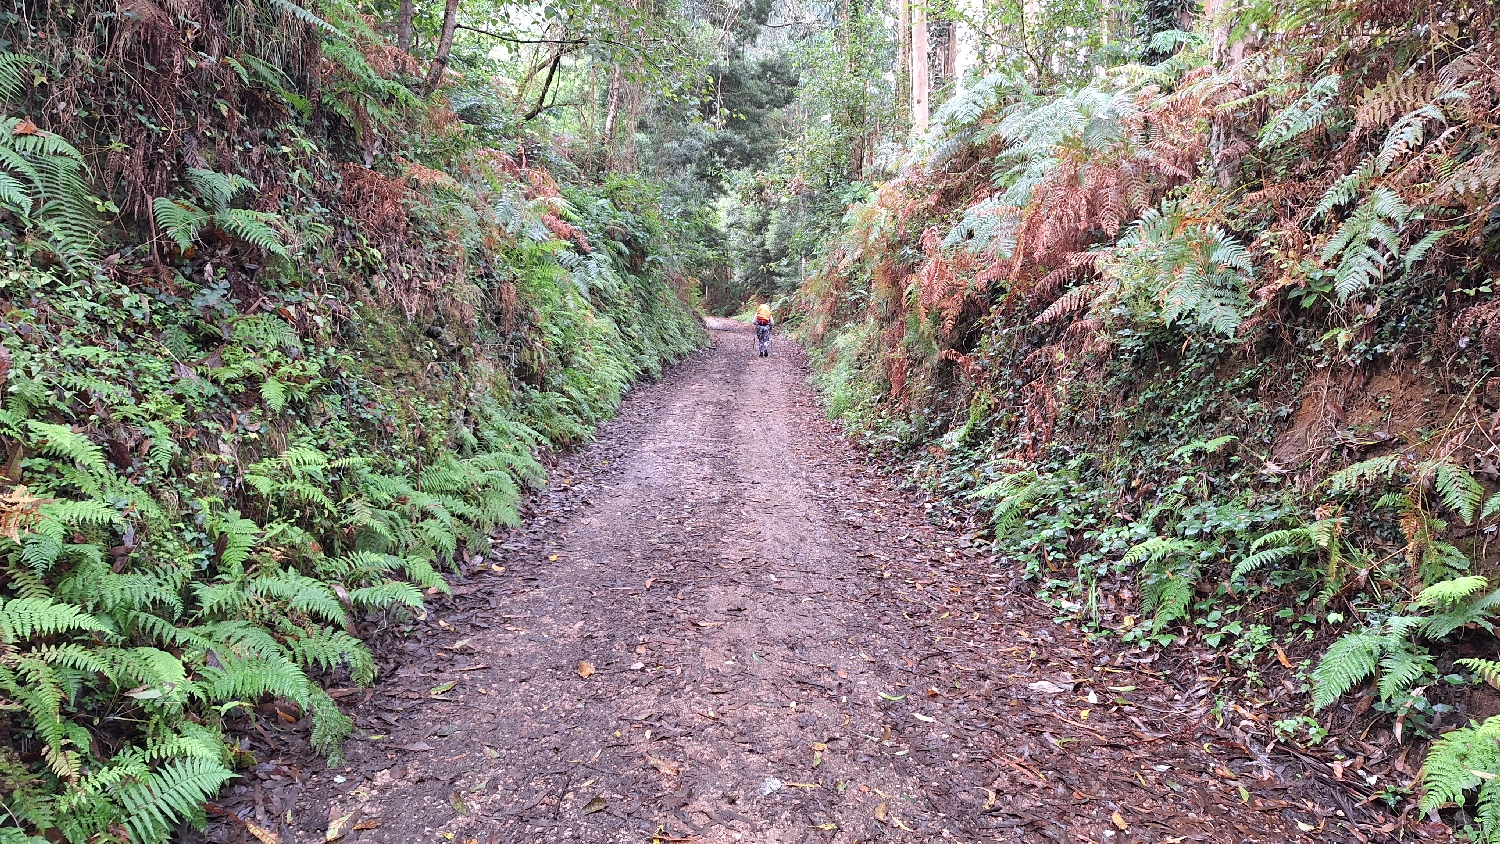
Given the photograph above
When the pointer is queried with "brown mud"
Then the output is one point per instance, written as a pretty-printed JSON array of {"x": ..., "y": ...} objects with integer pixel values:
[{"x": 723, "y": 624}]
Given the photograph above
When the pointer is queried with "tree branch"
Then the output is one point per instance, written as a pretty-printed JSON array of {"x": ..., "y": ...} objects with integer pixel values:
[
  {"x": 546, "y": 84},
  {"x": 513, "y": 40}
]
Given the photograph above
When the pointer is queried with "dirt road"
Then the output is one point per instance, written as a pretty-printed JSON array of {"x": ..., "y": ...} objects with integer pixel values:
[{"x": 724, "y": 626}]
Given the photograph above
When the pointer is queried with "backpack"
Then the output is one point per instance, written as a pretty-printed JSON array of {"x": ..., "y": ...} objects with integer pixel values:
[{"x": 760, "y": 320}]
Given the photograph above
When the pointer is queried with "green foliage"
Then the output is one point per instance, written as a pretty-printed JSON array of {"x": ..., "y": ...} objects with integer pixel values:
[
  {"x": 1168, "y": 576},
  {"x": 1312, "y": 110},
  {"x": 1463, "y": 761},
  {"x": 1176, "y": 272},
  {"x": 184, "y": 221},
  {"x": 1391, "y": 650},
  {"x": 44, "y": 183},
  {"x": 297, "y": 392}
]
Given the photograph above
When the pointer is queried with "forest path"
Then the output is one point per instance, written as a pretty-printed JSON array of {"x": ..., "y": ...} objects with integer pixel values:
[{"x": 782, "y": 650}]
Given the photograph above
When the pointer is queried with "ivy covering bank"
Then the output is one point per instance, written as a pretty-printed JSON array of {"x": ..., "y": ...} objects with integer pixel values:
[
  {"x": 280, "y": 342},
  {"x": 1212, "y": 341}
]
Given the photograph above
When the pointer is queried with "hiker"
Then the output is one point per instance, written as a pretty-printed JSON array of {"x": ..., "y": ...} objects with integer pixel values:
[{"x": 763, "y": 323}]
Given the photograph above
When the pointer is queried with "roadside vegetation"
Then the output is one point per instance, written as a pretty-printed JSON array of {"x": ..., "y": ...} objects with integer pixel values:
[
  {"x": 284, "y": 341},
  {"x": 1207, "y": 336}
]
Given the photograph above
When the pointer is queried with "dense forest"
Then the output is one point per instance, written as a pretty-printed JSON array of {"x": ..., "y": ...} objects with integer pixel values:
[{"x": 1189, "y": 310}]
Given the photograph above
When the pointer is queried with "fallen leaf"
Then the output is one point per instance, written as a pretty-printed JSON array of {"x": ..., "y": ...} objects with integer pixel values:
[
  {"x": 892, "y": 697},
  {"x": 1046, "y": 687},
  {"x": 338, "y": 827},
  {"x": 897, "y": 821},
  {"x": 25, "y": 127},
  {"x": 664, "y": 767},
  {"x": 263, "y": 835},
  {"x": 1118, "y": 821},
  {"x": 415, "y": 747},
  {"x": 443, "y": 688},
  {"x": 1281, "y": 655},
  {"x": 920, "y": 717},
  {"x": 826, "y": 826},
  {"x": 585, "y": 669},
  {"x": 880, "y": 813},
  {"x": 369, "y": 823},
  {"x": 595, "y": 805}
]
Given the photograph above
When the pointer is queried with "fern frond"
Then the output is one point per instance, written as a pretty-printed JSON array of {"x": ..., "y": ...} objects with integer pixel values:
[
  {"x": 23, "y": 618},
  {"x": 181, "y": 221},
  {"x": 307, "y": 17},
  {"x": 1348, "y": 661},
  {"x": 170, "y": 795},
  {"x": 253, "y": 227},
  {"x": 1450, "y": 592},
  {"x": 1457, "y": 760},
  {"x": 1350, "y": 479},
  {"x": 329, "y": 648},
  {"x": 62, "y": 441},
  {"x": 386, "y": 595},
  {"x": 1456, "y": 487},
  {"x": 1309, "y": 111},
  {"x": 1488, "y": 670},
  {"x": 1400, "y": 669}
]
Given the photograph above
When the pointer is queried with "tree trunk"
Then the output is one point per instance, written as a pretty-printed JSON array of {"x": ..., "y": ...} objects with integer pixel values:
[
  {"x": 919, "y": 64},
  {"x": 903, "y": 54},
  {"x": 965, "y": 48},
  {"x": 1227, "y": 143},
  {"x": 403, "y": 25},
  {"x": 612, "y": 109},
  {"x": 445, "y": 47}
]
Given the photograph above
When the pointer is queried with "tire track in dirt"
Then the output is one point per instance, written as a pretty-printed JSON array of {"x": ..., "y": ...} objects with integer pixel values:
[{"x": 782, "y": 650}]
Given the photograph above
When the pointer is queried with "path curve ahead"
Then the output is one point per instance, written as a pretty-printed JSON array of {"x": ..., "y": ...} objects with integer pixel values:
[{"x": 779, "y": 648}]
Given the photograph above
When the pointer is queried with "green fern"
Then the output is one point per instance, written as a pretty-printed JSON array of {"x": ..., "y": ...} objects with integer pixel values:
[
  {"x": 24, "y": 618},
  {"x": 184, "y": 221},
  {"x": 1169, "y": 270},
  {"x": 1308, "y": 112},
  {"x": 386, "y": 595},
  {"x": 328, "y": 648},
  {"x": 1463, "y": 761},
  {"x": 181, "y": 221},
  {"x": 1167, "y": 577},
  {"x": 1012, "y": 498},
  {"x": 170, "y": 795},
  {"x": 63, "y": 441},
  {"x": 1487, "y": 670},
  {"x": 44, "y": 183},
  {"x": 1348, "y": 661}
]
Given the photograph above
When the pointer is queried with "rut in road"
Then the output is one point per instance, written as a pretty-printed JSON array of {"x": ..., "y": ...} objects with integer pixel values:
[{"x": 782, "y": 649}]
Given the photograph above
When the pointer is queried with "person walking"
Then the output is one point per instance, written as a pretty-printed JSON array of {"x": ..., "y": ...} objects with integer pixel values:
[{"x": 763, "y": 323}]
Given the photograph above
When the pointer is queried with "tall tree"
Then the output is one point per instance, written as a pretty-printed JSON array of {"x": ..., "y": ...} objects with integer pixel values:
[
  {"x": 920, "y": 60},
  {"x": 403, "y": 25},
  {"x": 903, "y": 52},
  {"x": 444, "y": 49}
]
